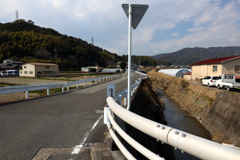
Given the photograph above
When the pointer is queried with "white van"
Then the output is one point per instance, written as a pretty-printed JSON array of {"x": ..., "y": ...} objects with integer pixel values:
[{"x": 12, "y": 72}]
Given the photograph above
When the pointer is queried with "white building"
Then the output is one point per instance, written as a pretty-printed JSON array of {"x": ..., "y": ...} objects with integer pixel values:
[
  {"x": 85, "y": 69},
  {"x": 113, "y": 70}
]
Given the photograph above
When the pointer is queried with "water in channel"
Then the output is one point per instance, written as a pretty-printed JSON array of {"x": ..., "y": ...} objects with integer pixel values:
[{"x": 180, "y": 119}]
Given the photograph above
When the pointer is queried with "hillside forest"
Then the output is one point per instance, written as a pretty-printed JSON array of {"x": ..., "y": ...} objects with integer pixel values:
[{"x": 24, "y": 41}]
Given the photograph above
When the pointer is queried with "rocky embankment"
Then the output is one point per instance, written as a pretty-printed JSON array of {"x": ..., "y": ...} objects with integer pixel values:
[{"x": 218, "y": 111}]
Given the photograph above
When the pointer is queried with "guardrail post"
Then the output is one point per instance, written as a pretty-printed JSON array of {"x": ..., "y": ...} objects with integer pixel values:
[
  {"x": 62, "y": 89},
  {"x": 90, "y": 83},
  {"x": 120, "y": 97},
  {"x": 47, "y": 91},
  {"x": 67, "y": 88},
  {"x": 84, "y": 84},
  {"x": 106, "y": 119},
  {"x": 27, "y": 95},
  {"x": 77, "y": 85},
  {"x": 95, "y": 81}
]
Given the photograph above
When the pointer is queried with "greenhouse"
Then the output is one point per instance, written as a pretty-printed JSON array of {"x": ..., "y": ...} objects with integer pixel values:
[{"x": 175, "y": 72}]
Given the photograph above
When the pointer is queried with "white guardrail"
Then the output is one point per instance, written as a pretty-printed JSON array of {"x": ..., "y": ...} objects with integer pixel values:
[
  {"x": 196, "y": 146},
  {"x": 27, "y": 88}
]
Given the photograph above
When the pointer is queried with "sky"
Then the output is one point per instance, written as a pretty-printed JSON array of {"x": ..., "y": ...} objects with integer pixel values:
[{"x": 167, "y": 26}]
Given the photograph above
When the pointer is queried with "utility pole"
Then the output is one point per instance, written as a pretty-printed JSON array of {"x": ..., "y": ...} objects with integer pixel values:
[
  {"x": 55, "y": 55},
  {"x": 139, "y": 62},
  {"x": 113, "y": 61},
  {"x": 16, "y": 14}
]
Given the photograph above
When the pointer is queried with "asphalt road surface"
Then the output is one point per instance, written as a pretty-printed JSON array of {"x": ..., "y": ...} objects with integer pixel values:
[{"x": 56, "y": 125}]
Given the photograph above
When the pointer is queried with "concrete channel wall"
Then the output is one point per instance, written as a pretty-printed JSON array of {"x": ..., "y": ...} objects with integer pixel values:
[{"x": 217, "y": 110}]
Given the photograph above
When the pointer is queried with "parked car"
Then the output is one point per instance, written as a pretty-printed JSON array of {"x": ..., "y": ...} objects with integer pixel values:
[
  {"x": 228, "y": 82},
  {"x": 12, "y": 72},
  {"x": 3, "y": 73},
  {"x": 210, "y": 80}
]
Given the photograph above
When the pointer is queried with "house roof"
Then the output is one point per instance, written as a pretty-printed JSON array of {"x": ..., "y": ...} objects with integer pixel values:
[
  {"x": 42, "y": 64},
  {"x": 189, "y": 73},
  {"x": 11, "y": 61},
  {"x": 216, "y": 60},
  {"x": 7, "y": 65}
]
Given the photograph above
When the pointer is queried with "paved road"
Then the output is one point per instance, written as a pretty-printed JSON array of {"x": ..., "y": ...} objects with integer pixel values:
[{"x": 56, "y": 124}]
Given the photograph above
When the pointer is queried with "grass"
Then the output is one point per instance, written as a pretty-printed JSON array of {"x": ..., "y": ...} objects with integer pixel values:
[
  {"x": 67, "y": 77},
  {"x": 3, "y": 84},
  {"x": 51, "y": 91},
  {"x": 190, "y": 88}
]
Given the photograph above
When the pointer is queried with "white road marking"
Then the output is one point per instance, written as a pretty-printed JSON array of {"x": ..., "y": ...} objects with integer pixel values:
[
  {"x": 77, "y": 148},
  {"x": 99, "y": 111}
]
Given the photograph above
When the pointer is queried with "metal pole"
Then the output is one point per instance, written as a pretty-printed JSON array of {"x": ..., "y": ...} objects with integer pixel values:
[{"x": 129, "y": 55}]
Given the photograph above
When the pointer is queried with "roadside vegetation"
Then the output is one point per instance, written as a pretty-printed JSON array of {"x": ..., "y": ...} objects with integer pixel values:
[
  {"x": 51, "y": 91},
  {"x": 4, "y": 84}
]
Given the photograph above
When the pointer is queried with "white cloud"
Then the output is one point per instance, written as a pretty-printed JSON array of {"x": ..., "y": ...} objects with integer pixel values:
[
  {"x": 174, "y": 34},
  {"x": 208, "y": 22},
  {"x": 221, "y": 28},
  {"x": 196, "y": 29}
]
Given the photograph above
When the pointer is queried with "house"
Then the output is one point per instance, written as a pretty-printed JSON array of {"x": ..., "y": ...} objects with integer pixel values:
[
  {"x": 215, "y": 67},
  {"x": 10, "y": 64},
  {"x": 187, "y": 76},
  {"x": 39, "y": 70}
]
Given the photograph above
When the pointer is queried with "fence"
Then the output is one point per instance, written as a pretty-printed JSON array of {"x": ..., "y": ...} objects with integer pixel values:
[
  {"x": 186, "y": 142},
  {"x": 27, "y": 88}
]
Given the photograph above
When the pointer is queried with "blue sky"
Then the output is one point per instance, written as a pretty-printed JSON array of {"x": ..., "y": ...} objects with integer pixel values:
[{"x": 167, "y": 26}]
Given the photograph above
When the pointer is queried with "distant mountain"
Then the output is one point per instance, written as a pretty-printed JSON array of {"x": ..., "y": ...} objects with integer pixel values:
[{"x": 188, "y": 56}]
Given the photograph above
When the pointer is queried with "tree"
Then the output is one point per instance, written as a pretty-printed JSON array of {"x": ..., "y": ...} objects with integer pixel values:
[
  {"x": 93, "y": 70},
  {"x": 30, "y": 22},
  {"x": 44, "y": 54},
  {"x": 123, "y": 65}
]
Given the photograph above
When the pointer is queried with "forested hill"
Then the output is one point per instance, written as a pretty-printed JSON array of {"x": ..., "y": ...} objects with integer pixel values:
[
  {"x": 188, "y": 56},
  {"x": 24, "y": 41}
]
